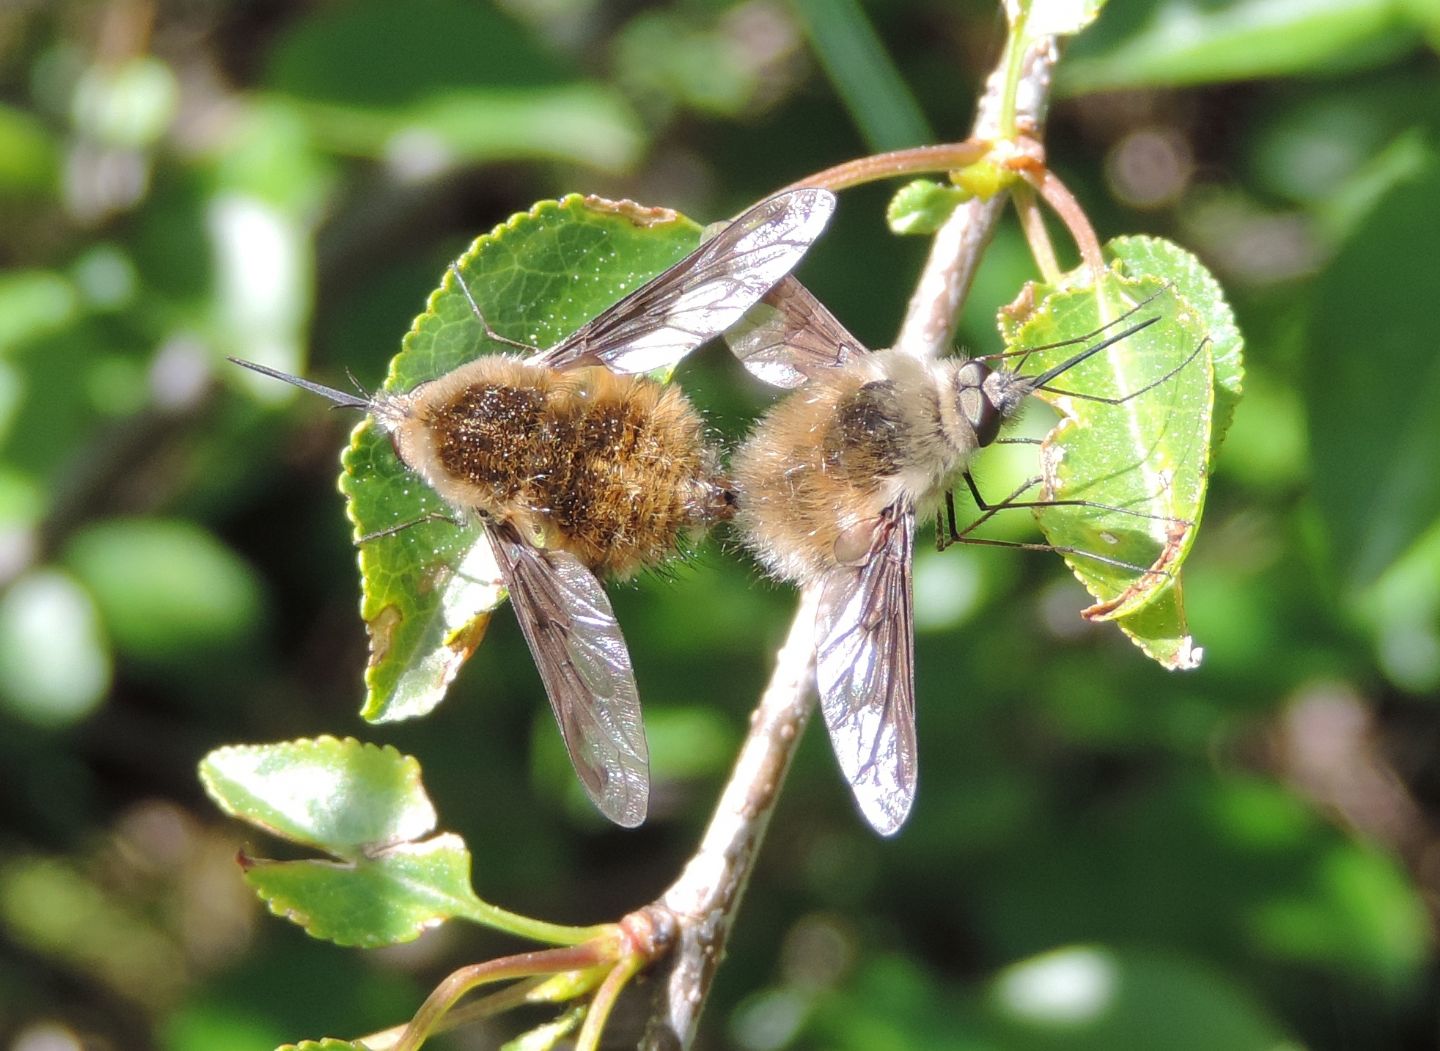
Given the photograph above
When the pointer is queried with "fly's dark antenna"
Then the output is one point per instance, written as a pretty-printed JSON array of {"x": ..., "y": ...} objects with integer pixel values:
[
  {"x": 1023, "y": 353},
  {"x": 1039, "y": 382},
  {"x": 1134, "y": 393},
  {"x": 339, "y": 397}
]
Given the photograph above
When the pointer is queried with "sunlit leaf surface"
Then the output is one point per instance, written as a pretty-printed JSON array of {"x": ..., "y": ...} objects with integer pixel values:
[
  {"x": 429, "y": 588},
  {"x": 1140, "y": 465},
  {"x": 362, "y": 804},
  {"x": 339, "y": 796}
]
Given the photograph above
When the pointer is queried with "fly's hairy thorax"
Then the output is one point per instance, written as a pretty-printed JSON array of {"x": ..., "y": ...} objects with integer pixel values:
[
  {"x": 822, "y": 460},
  {"x": 614, "y": 469},
  {"x": 838, "y": 452}
]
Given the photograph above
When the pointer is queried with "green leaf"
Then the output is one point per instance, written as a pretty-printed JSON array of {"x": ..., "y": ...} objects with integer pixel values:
[
  {"x": 1089, "y": 998},
  {"x": 1374, "y": 334},
  {"x": 341, "y": 796},
  {"x": 922, "y": 206},
  {"x": 1055, "y": 17},
  {"x": 429, "y": 588},
  {"x": 1167, "y": 260},
  {"x": 129, "y": 103},
  {"x": 29, "y": 156},
  {"x": 365, "y": 806},
  {"x": 384, "y": 897},
  {"x": 329, "y": 1043},
  {"x": 54, "y": 657},
  {"x": 1141, "y": 465},
  {"x": 445, "y": 81},
  {"x": 34, "y": 304},
  {"x": 165, "y": 588},
  {"x": 1144, "y": 44}
]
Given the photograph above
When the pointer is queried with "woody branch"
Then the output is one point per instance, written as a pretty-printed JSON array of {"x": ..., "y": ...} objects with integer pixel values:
[{"x": 707, "y": 895}]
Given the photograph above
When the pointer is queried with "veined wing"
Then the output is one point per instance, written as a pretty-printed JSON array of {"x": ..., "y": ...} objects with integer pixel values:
[
  {"x": 865, "y": 668},
  {"x": 789, "y": 335},
  {"x": 576, "y": 641},
  {"x": 702, "y": 295}
]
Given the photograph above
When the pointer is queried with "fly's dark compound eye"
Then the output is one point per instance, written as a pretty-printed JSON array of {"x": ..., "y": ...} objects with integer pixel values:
[{"x": 975, "y": 404}]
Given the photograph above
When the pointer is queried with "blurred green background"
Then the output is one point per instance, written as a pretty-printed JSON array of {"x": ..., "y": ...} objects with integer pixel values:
[{"x": 1103, "y": 855}]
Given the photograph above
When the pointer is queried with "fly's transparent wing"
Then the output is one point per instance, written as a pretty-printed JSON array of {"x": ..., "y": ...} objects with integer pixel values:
[
  {"x": 703, "y": 294},
  {"x": 576, "y": 641},
  {"x": 865, "y": 669},
  {"x": 789, "y": 336}
]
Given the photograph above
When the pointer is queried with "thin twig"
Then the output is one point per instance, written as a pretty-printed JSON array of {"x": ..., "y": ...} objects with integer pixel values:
[
  {"x": 918, "y": 160},
  {"x": 1032, "y": 221},
  {"x": 706, "y": 897},
  {"x": 1058, "y": 196},
  {"x": 934, "y": 309}
]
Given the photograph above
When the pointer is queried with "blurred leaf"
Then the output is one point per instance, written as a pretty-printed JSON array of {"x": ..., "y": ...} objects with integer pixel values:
[
  {"x": 269, "y": 155},
  {"x": 365, "y": 806},
  {"x": 127, "y": 104},
  {"x": 1376, "y": 470},
  {"x": 378, "y": 54},
  {"x": 1358, "y": 914},
  {"x": 1222, "y": 867},
  {"x": 339, "y": 796},
  {"x": 1144, "y": 460},
  {"x": 1403, "y": 611},
  {"x": 922, "y": 206},
  {"x": 863, "y": 74},
  {"x": 1055, "y": 17},
  {"x": 68, "y": 917},
  {"x": 894, "y": 1004},
  {"x": 1090, "y": 998},
  {"x": 166, "y": 589},
  {"x": 329, "y": 1043},
  {"x": 1348, "y": 203},
  {"x": 264, "y": 273},
  {"x": 33, "y": 304},
  {"x": 54, "y": 659},
  {"x": 672, "y": 56},
  {"x": 429, "y": 588},
  {"x": 1145, "y": 44},
  {"x": 29, "y": 158},
  {"x": 379, "y": 79}
]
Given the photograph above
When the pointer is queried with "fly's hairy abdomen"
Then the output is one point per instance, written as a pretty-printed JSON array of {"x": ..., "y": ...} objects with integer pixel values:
[
  {"x": 614, "y": 469},
  {"x": 822, "y": 461}
]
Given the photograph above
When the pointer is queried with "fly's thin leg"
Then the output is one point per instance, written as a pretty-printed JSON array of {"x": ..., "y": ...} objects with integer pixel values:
[
  {"x": 433, "y": 516},
  {"x": 989, "y": 510},
  {"x": 480, "y": 315},
  {"x": 1004, "y": 505}
]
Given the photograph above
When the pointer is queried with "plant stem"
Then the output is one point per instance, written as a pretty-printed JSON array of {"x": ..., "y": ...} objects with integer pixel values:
[
  {"x": 1032, "y": 221},
  {"x": 534, "y": 930},
  {"x": 704, "y": 900},
  {"x": 920, "y": 160},
  {"x": 458, "y": 983},
  {"x": 1058, "y": 197},
  {"x": 706, "y": 897},
  {"x": 1012, "y": 66},
  {"x": 604, "y": 1001}
]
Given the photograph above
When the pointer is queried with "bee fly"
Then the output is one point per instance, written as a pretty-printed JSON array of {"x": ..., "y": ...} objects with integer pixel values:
[
  {"x": 577, "y": 466},
  {"x": 827, "y": 488}
]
